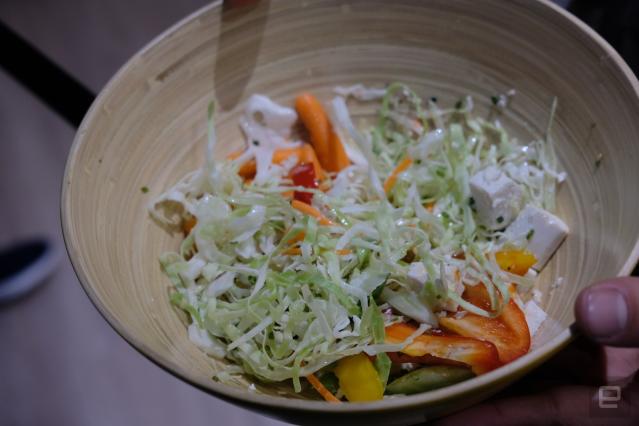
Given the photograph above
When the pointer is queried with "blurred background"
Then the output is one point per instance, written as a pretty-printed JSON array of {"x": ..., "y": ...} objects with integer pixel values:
[{"x": 60, "y": 362}]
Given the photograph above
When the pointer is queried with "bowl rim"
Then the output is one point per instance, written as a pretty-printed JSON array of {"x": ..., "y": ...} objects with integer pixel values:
[{"x": 268, "y": 403}]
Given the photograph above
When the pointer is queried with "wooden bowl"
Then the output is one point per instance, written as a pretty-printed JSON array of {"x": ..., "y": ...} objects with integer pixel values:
[{"x": 148, "y": 126}]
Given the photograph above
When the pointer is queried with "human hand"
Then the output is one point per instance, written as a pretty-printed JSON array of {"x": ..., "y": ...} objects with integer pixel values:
[{"x": 564, "y": 390}]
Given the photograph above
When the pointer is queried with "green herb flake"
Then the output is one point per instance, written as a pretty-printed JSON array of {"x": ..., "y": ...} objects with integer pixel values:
[
  {"x": 500, "y": 219},
  {"x": 433, "y": 99},
  {"x": 530, "y": 234},
  {"x": 459, "y": 104},
  {"x": 330, "y": 381},
  {"x": 377, "y": 293},
  {"x": 256, "y": 142},
  {"x": 494, "y": 100},
  {"x": 144, "y": 189}
]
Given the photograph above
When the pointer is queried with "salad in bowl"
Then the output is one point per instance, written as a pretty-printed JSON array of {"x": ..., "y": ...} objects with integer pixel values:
[{"x": 364, "y": 261}]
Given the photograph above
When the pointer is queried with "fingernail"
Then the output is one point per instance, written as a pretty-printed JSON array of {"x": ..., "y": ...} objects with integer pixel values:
[{"x": 607, "y": 312}]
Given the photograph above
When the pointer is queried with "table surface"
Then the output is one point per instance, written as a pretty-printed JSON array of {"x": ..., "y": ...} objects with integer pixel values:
[{"x": 60, "y": 362}]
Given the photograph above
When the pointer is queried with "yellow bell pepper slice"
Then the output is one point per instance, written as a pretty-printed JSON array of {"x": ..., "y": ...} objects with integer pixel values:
[
  {"x": 515, "y": 261},
  {"x": 358, "y": 379}
]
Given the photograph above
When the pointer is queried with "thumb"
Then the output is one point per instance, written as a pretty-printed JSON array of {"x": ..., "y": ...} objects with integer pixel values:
[{"x": 608, "y": 312}]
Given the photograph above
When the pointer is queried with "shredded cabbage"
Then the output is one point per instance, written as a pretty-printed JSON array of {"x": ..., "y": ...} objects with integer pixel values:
[{"x": 281, "y": 316}]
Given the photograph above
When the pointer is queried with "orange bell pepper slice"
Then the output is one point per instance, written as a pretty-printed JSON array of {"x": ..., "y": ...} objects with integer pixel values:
[
  {"x": 481, "y": 356},
  {"x": 508, "y": 332},
  {"x": 515, "y": 261}
]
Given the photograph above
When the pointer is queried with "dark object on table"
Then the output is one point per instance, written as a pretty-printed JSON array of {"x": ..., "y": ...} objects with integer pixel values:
[
  {"x": 24, "y": 266},
  {"x": 58, "y": 89}
]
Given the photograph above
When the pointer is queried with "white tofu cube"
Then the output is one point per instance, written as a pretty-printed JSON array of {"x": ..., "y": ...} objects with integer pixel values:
[
  {"x": 535, "y": 316},
  {"x": 417, "y": 275},
  {"x": 497, "y": 197},
  {"x": 542, "y": 233}
]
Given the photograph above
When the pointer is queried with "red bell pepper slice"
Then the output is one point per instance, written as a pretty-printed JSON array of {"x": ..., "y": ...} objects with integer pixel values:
[
  {"x": 508, "y": 332},
  {"x": 480, "y": 355},
  {"x": 304, "y": 175}
]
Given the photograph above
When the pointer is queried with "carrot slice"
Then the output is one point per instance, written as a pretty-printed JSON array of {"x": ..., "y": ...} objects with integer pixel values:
[
  {"x": 292, "y": 251},
  {"x": 311, "y": 211},
  {"x": 340, "y": 159},
  {"x": 321, "y": 389},
  {"x": 316, "y": 122},
  {"x": 248, "y": 169},
  {"x": 297, "y": 238},
  {"x": 281, "y": 155},
  {"x": 329, "y": 148},
  {"x": 309, "y": 156},
  {"x": 392, "y": 179}
]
